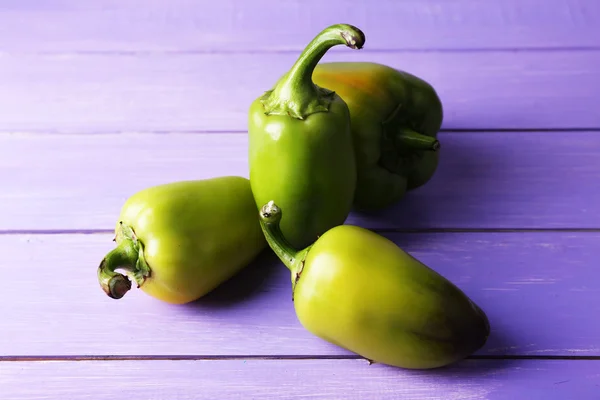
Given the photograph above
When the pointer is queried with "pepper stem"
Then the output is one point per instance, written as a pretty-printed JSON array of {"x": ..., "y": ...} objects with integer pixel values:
[
  {"x": 270, "y": 217},
  {"x": 295, "y": 94},
  {"x": 410, "y": 139},
  {"x": 127, "y": 256}
]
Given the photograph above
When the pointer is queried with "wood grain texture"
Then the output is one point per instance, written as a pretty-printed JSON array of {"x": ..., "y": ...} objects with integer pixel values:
[
  {"x": 533, "y": 180},
  {"x": 538, "y": 290},
  {"x": 234, "y": 25},
  {"x": 314, "y": 379},
  {"x": 78, "y": 78},
  {"x": 212, "y": 92}
]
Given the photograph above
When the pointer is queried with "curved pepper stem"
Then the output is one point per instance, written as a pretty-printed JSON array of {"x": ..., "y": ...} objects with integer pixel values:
[
  {"x": 128, "y": 256},
  {"x": 408, "y": 139},
  {"x": 270, "y": 217},
  {"x": 295, "y": 94}
]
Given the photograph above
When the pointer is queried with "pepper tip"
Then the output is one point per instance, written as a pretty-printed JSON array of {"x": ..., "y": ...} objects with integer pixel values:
[
  {"x": 354, "y": 37},
  {"x": 117, "y": 286},
  {"x": 270, "y": 212}
]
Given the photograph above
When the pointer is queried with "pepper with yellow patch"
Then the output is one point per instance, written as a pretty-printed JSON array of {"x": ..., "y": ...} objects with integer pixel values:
[{"x": 395, "y": 117}]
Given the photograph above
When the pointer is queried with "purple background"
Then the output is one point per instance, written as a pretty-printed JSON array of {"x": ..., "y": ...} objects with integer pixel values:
[{"x": 101, "y": 98}]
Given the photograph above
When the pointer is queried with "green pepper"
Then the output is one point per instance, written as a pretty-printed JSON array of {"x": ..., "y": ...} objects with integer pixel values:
[
  {"x": 395, "y": 120},
  {"x": 180, "y": 240},
  {"x": 358, "y": 290},
  {"x": 300, "y": 144}
]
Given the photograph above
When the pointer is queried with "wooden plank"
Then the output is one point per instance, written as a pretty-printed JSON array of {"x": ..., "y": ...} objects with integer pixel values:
[
  {"x": 299, "y": 379},
  {"x": 533, "y": 180},
  {"x": 208, "y": 92},
  {"x": 229, "y": 25},
  {"x": 538, "y": 290}
]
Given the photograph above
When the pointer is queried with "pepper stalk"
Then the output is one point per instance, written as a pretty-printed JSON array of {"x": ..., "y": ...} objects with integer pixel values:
[
  {"x": 270, "y": 217},
  {"x": 127, "y": 256},
  {"x": 405, "y": 138},
  {"x": 295, "y": 94},
  {"x": 409, "y": 139}
]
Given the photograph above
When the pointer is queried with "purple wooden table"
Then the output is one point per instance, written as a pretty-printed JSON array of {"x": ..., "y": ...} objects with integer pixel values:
[{"x": 99, "y": 99}]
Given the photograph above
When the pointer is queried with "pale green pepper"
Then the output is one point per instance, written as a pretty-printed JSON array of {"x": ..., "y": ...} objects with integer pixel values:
[
  {"x": 360, "y": 291},
  {"x": 180, "y": 240}
]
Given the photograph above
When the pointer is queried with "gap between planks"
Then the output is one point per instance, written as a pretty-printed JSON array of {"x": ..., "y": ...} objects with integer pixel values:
[
  {"x": 458, "y": 50},
  {"x": 262, "y": 357},
  {"x": 245, "y": 132},
  {"x": 8, "y": 232}
]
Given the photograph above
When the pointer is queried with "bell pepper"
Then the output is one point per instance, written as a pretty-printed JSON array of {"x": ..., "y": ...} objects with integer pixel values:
[
  {"x": 300, "y": 144},
  {"x": 180, "y": 240},
  {"x": 358, "y": 290},
  {"x": 395, "y": 119}
]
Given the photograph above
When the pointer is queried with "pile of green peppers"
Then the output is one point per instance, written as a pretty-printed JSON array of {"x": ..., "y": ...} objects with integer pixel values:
[{"x": 323, "y": 140}]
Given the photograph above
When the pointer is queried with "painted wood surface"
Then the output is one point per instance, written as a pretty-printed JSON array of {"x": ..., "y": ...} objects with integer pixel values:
[
  {"x": 538, "y": 290},
  {"x": 212, "y": 92},
  {"x": 486, "y": 180},
  {"x": 299, "y": 379},
  {"x": 102, "y": 98},
  {"x": 266, "y": 25}
]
